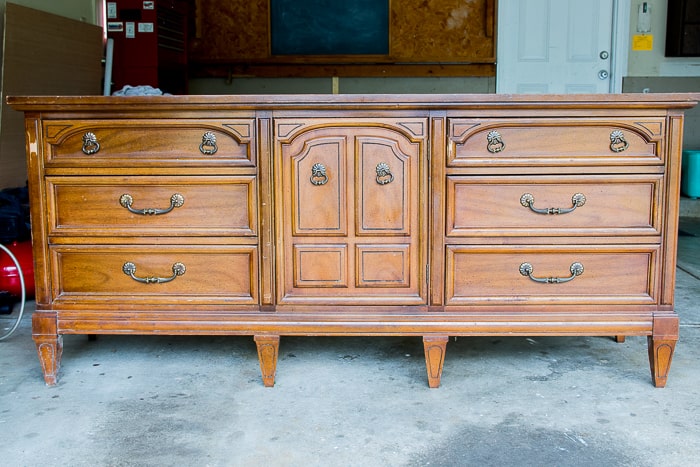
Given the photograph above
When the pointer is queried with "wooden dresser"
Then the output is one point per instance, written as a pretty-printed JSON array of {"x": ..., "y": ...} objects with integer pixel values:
[{"x": 417, "y": 215}]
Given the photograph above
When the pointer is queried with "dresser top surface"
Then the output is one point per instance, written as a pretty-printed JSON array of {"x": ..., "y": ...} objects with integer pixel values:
[{"x": 357, "y": 101}]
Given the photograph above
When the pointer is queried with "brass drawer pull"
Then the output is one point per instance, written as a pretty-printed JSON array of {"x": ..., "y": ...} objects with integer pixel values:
[
  {"x": 208, "y": 146},
  {"x": 495, "y": 142},
  {"x": 527, "y": 200},
  {"x": 318, "y": 174},
  {"x": 90, "y": 144},
  {"x": 576, "y": 269},
  {"x": 176, "y": 200},
  {"x": 384, "y": 175},
  {"x": 618, "y": 142},
  {"x": 129, "y": 269}
]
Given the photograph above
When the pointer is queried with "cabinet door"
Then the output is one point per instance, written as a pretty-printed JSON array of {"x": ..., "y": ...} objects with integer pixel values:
[{"x": 349, "y": 212}]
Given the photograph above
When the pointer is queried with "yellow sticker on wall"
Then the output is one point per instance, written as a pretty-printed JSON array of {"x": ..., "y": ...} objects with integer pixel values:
[{"x": 642, "y": 42}]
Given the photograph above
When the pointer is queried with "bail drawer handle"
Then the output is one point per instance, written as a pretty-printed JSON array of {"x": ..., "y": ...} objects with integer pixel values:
[
  {"x": 208, "y": 146},
  {"x": 528, "y": 201},
  {"x": 576, "y": 269},
  {"x": 384, "y": 175},
  {"x": 90, "y": 143},
  {"x": 176, "y": 200},
  {"x": 618, "y": 142},
  {"x": 129, "y": 269},
  {"x": 318, "y": 174}
]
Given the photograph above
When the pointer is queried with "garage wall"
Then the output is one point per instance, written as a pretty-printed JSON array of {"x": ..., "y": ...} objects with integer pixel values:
[
  {"x": 43, "y": 54},
  {"x": 81, "y": 10}
]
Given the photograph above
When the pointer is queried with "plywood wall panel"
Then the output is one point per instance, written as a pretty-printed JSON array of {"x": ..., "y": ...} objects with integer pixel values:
[
  {"x": 43, "y": 54},
  {"x": 229, "y": 30},
  {"x": 434, "y": 35},
  {"x": 442, "y": 31}
]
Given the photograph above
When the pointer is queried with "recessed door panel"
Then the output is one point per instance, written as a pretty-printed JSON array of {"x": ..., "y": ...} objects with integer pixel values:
[
  {"x": 320, "y": 266},
  {"x": 384, "y": 178},
  {"x": 383, "y": 265},
  {"x": 318, "y": 177}
]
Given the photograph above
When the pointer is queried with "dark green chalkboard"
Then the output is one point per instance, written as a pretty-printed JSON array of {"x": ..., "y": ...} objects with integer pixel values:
[{"x": 329, "y": 27}]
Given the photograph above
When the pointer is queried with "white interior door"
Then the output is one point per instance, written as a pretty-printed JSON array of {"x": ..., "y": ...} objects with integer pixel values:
[{"x": 555, "y": 46}]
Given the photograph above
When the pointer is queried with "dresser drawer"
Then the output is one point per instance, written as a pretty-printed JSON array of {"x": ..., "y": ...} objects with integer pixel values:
[
  {"x": 161, "y": 274},
  {"x": 545, "y": 205},
  {"x": 528, "y": 142},
  {"x": 152, "y": 206},
  {"x": 136, "y": 143},
  {"x": 588, "y": 275}
]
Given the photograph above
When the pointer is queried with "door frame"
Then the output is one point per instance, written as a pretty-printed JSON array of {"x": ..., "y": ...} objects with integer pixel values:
[{"x": 620, "y": 41}]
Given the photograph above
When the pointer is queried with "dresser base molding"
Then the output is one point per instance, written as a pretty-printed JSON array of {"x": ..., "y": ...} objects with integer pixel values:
[{"x": 435, "y": 329}]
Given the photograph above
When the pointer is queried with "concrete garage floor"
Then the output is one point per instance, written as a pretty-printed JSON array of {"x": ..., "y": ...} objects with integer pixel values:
[{"x": 199, "y": 401}]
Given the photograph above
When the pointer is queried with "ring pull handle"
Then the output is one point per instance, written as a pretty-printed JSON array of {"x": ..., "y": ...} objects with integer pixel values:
[
  {"x": 176, "y": 200},
  {"x": 618, "y": 142},
  {"x": 90, "y": 144},
  {"x": 384, "y": 175},
  {"x": 527, "y": 200},
  {"x": 495, "y": 142},
  {"x": 576, "y": 269},
  {"x": 208, "y": 146},
  {"x": 318, "y": 174},
  {"x": 129, "y": 269}
]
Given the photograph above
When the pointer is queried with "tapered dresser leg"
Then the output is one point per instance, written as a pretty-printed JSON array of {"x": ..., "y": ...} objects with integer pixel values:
[
  {"x": 268, "y": 347},
  {"x": 619, "y": 339},
  {"x": 661, "y": 345},
  {"x": 49, "y": 345},
  {"x": 434, "y": 357}
]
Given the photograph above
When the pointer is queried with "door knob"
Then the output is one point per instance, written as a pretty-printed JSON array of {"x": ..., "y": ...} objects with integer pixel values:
[{"x": 603, "y": 74}]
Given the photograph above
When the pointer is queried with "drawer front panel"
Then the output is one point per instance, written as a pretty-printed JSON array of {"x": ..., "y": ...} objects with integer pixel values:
[
  {"x": 498, "y": 275},
  {"x": 538, "y": 205},
  {"x": 528, "y": 142},
  {"x": 221, "y": 274},
  {"x": 201, "y": 206},
  {"x": 107, "y": 143}
]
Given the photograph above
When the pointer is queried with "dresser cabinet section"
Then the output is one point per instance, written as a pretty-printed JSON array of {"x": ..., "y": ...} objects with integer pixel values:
[
  {"x": 398, "y": 215},
  {"x": 148, "y": 142},
  {"x": 352, "y": 216},
  {"x": 531, "y": 142}
]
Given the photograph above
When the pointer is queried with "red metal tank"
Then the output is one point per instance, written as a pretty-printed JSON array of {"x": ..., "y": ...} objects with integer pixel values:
[{"x": 9, "y": 276}]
